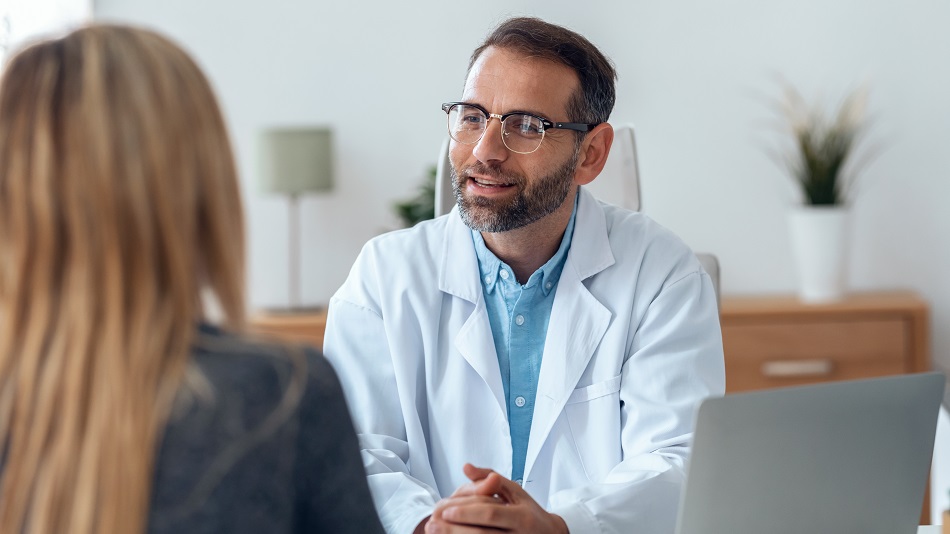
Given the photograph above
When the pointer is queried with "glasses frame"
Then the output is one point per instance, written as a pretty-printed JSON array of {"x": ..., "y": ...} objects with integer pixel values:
[{"x": 547, "y": 124}]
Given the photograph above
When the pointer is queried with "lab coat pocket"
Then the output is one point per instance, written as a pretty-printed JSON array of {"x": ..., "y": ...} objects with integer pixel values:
[{"x": 593, "y": 413}]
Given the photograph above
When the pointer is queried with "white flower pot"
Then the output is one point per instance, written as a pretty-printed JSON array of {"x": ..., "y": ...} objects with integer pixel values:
[{"x": 819, "y": 237}]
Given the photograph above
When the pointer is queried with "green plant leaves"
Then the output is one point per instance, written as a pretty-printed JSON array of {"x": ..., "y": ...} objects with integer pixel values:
[
  {"x": 823, "y": 147},
  {"x": 422, "y": 206}
]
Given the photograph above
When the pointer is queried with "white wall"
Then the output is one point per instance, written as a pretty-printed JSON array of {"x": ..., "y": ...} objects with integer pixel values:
[
  {"x": 695, "y": 78},
  {"x": 24, "y": 20}
]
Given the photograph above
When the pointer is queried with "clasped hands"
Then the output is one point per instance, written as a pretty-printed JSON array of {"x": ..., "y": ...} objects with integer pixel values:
[{"x": 490, "y": 503}]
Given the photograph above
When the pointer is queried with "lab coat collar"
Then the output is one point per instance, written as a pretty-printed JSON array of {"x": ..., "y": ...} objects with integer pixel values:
[
  {"x": 578, "y": 323},
  {"x": 590, "y": 249},
  {"x": 459, "y": 276}
]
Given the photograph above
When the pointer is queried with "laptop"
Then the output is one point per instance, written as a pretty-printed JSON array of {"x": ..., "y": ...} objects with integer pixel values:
[{"x": 846, "y": 457}]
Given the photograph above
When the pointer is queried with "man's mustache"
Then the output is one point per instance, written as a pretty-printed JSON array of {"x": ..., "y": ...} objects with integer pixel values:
[{"x": 492, "y": 171}]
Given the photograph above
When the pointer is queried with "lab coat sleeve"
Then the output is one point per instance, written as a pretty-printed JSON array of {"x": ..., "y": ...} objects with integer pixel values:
[
  {"x": 357, "y": 346},
  {"x": 675, "y": 361}
]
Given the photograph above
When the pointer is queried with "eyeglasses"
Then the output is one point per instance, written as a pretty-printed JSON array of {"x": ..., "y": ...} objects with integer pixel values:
[{"x": 522, "y": 133}]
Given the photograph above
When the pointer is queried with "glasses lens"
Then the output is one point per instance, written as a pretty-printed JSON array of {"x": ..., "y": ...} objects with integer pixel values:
[
  {"x": 523, "y": 133},
  {"x": 466, "y": 123}
]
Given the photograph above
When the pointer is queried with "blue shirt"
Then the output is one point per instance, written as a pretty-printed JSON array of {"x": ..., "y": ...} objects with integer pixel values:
[{"x": 519, "y": 316}]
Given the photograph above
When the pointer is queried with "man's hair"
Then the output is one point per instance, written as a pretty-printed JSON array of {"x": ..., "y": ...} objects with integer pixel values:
[{"x": 537, "y": 38}]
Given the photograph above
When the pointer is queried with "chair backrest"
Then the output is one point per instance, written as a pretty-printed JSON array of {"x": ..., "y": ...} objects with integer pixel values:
[
  {"x": 444, "y": 196},
  {"x": 618, "y": 183},
  {"x": 710, "y": 264}
]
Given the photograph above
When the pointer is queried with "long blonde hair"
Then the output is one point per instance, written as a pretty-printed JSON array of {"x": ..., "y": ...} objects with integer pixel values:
[{"x": 119, "y": 205}]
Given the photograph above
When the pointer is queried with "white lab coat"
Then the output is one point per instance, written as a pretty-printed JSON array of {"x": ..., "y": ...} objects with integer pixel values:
[{"x": 633, "y": 346}]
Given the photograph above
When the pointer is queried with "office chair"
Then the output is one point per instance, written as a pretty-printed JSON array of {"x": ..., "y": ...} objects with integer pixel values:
[{"x": 618, "y": 183}]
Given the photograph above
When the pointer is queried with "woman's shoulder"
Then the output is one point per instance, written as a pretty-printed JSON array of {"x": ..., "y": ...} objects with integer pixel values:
[
  {"x": 244, "y": 407},
  {"x": 225, "y": 355},
  {"x": 260, "y": 369}
]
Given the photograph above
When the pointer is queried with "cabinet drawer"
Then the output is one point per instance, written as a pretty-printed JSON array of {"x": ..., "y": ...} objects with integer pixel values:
[{"x": 776, "y": 354}]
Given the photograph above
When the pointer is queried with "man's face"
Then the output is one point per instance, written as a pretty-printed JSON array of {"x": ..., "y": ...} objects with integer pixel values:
[{"x": 498, "y": 190}]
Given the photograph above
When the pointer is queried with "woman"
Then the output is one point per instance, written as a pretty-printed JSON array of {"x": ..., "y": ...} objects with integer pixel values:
[{"x": 121, "y": 408}]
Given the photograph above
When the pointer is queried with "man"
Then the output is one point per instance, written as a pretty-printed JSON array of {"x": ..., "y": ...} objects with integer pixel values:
[{"x": 532, "y": 361}]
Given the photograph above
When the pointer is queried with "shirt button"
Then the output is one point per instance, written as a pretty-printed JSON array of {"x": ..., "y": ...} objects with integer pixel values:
[
  {"x": 519, "y": 482},
  {"x": 487, "y": 279},
  {"x": 547, "y": 285},
  {"x": 519, "y": 401},
  {"x": 519, "y": 320},
  {"x": 503, "y": 274}
]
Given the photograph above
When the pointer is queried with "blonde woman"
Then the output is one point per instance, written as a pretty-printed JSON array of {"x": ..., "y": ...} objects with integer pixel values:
[{"x": 122, "y": 409}]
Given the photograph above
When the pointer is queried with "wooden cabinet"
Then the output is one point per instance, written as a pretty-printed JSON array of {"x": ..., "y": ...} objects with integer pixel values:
[
  {"x": 778, "y": 341},
  {"x": 303, "y": 327}
]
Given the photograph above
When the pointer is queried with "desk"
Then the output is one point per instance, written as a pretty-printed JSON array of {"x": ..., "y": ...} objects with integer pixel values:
[{"x": 304, "y": 326}]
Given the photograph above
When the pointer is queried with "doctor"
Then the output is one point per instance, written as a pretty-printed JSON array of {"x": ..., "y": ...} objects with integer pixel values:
[{"x": 532, "y": 361}]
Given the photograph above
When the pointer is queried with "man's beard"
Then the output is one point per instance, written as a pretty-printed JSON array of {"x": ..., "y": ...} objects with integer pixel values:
[{"x": 531, "y": 203}]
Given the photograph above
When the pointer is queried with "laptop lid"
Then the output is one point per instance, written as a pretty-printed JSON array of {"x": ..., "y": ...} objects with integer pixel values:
[{"x": 832, "y": 458}]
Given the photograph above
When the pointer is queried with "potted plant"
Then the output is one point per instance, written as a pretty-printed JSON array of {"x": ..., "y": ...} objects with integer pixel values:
[
  {"x": 420, "y": 207},
  {"x": 822, "y": 160}
]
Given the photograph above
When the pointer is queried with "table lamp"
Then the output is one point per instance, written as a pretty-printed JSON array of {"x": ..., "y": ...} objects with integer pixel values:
[{"x": 294, "y": 162}]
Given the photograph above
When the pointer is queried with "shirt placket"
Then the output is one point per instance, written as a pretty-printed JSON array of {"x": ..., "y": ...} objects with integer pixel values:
[{"x": 523, "y": 384}]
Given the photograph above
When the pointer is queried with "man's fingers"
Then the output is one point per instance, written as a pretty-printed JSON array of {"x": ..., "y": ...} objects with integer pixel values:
[
  {"x": 480, "y": 514},
  {"x": 490, "y": 485},
  {"x": 445, "y": 527},
  {"x": 495, "y": 484},
  {"x": 475, "y": 473},
  {"x": 465, "y": 500},
  {"x": 491, "y": 503},
  {"x": 487, "y": 487},
  {"x": 484, "y": 482},
  {"x": 464, "y": 509}
]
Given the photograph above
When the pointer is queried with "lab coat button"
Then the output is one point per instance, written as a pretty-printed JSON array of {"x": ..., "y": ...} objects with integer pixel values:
[
  {"x": 519, "y": 401},
  {"x": 519, "y": 320}
]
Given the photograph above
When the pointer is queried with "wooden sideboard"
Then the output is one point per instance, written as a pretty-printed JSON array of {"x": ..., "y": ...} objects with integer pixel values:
[
  {"x": 771, "y": 341},
  {"x": 778, "y": 341},
  {"x": 305, "y": 326}
]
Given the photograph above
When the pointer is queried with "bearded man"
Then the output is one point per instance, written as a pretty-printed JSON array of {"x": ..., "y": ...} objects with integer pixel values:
[{"x": 533, "y": 360}]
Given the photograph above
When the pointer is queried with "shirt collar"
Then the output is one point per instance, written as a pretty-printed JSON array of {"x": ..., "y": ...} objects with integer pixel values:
[{"x": 547, "y": 275}]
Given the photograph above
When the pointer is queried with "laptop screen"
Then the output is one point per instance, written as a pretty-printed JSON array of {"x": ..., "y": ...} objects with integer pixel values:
[{"x": 833, "y": 458}]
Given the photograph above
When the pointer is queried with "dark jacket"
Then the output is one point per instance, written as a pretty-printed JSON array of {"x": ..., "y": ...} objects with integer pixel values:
[{"x": 240, "y": 462}]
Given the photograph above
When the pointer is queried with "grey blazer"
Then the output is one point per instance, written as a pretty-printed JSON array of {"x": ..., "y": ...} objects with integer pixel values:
[{"x": 233, "y": 464}]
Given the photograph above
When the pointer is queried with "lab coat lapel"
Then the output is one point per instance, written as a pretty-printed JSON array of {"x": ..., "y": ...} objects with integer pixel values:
[
  {"x": 578, "y": 322},
  {"x": 460, "y": 278}
]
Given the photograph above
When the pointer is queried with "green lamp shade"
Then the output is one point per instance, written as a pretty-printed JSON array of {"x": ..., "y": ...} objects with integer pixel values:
[{"x": 295, "y": 160}]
